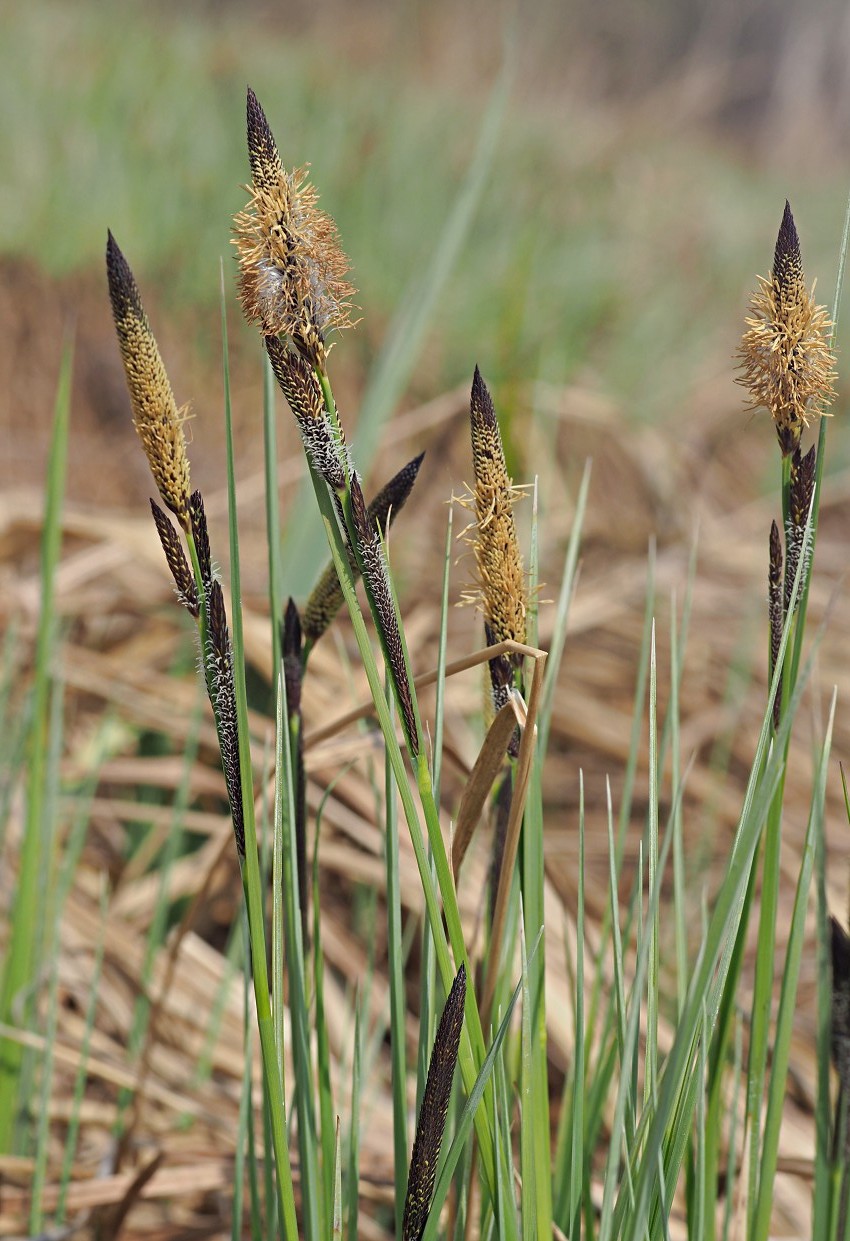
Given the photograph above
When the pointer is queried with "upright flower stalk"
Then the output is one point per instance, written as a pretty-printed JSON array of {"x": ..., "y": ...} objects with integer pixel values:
[
  {"x": 159, "y": 425},
  {"x": 786, "y": 357}
]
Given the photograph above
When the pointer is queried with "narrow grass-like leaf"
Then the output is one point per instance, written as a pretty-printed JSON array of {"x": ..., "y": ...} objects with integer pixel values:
[
  {"x": 788, "y": 995},
  {"x": 353, "y": 1177},
  {"x": 395, "y": 971},
  {"x": 336, "y": 1215},
  {"x": 19, "y": 964},
  {"x": 251, "y": 869}
]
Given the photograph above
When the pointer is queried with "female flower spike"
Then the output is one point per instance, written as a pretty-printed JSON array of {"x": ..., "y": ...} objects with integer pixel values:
[
  {"x": 785, "y": 354},
  {"x": 291, "y": 268}
]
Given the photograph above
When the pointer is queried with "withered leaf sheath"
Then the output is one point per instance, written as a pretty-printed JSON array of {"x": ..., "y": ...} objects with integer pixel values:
[
  {"x": 157, "y": 420},
  {"x": 370, "y": 556},
  {"x": 840, "y": 951},
  {"x": 432, "y": 1114},
  {"x": 291, "y": 267},
  {"x": 786, "y": 357},
  {"x": 502, "y": 814},
  {"x": 801, "y": 490},
  {"x": 187, "y": 590},
  {"x": 299, "y": 385},
  {"x": 775, "y": 610},
  {"x": 327, "y": 597},
  {"x": 219, "y": 666},
  {"x": 497, "y": 556},
  {"x": 291, "y": 643},
  {"x": 501, "y": 676}
]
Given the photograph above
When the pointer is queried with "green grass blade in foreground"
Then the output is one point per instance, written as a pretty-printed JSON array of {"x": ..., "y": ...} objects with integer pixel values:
[
  {"x": 711, "y": 971},
  {"x": 329, "y": 1133},
  {"x": 528, "y": 1118},
  {"x": 822, "y": 1205},
  {"x": 562, "y": 612},
  {"x": 336, "y": 1217},
  {"x": 788, "y": 996},
  {"x": 19, "y": 964},
  {"x": 284, "y": 827},
  {"x": 67, "y": 872},
  {"x": 391, "y": 373},
  {"x": 440, "y": 688},
  {"x": 251, "y": 869},
  {"x": 471, "y": 1052},
  {"x": 576, "y": 1177},
  {"x": 464, "y": 1125},
  {"x": 354, "y": 1127},
  {"x": 395, "y": 971},
  {"x": 82, "y": 1067}
]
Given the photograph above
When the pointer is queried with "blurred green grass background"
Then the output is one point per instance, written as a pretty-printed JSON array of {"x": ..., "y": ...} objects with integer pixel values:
[{"x": 615, "y": 241}]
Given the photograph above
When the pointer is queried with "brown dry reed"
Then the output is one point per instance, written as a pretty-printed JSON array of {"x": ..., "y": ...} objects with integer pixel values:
[
  {"x": 157, "y": 419},
  {"x": 786, "y": 357},
  {"x": 327, "y": 598},
  {"x": 432, "y": 1114},
  {"x": 291, "y": 267}
]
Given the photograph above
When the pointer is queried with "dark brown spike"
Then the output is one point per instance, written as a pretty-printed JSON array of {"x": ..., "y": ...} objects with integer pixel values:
[
  {"x": 300, "y": 386},
  {"x": 187, "y": 591},
  {"x": 481, "y": 409},
  {"x": 262, "y": 148},
  {"x": 292, "y": 675},
  {"x": 775, "y": 609},
  {"x": 802, "y": 486},
  {"x": 391, "y": 499},
  {"x": 431, "y": 1124},
  {"x": 123, "y": 290},
  {"x": 201, "y": 535},
  {"x": 219, "y": 668},
  {"x": 840, "y": 953},
  {"x": 787, "y": 258},
  {"x": 370, "y": 557},
  {"x": 326, "y": 597}
]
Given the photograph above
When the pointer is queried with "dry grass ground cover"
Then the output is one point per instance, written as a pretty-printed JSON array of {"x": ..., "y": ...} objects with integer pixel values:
[{"x": 132, "y": 717}]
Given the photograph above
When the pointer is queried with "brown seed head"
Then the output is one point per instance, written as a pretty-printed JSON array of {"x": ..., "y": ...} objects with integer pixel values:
[
  {"x": 320, "y": 436},
  {"x": 432, "y": 1114},
  {"x": 495, "y": 543},
  {"x": 291, "y": 268},
  {"x": 187, "y": 590},
  {"x": 786, "y": 357},
  {"x": 156, "y": 417}
]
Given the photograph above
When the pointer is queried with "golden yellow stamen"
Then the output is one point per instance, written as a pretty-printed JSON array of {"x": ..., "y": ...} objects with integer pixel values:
[
  {"x": 291, "y": 267},
  {"x": 787, "y": 361},
  {"x": 157, "y": 419}
]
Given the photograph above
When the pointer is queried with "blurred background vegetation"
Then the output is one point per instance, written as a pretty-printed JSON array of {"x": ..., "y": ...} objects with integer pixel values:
[{"x": 643, "y": 158}]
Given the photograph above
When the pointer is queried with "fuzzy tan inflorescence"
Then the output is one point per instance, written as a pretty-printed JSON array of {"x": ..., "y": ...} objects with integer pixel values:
[
  {"x": 786, "y": 357},
  {"x": 501, "y": 576},
  {"x": 157, "y": 419},
  {"x": 291, "y": 267}
]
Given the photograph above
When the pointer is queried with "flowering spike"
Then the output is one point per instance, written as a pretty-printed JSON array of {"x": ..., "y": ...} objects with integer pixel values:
[
  {"x": 370, "y": 555},
  {"x": 187, "y": 591},
  {"x": 432, "y": 1114},
  {"x": 775, "y": 610},
  {"x": 157, "y": 420},
  {"x": 300, "y": 386},
  {"x": 786, "y": 356},
  {"x": 291, "y": 268}
]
